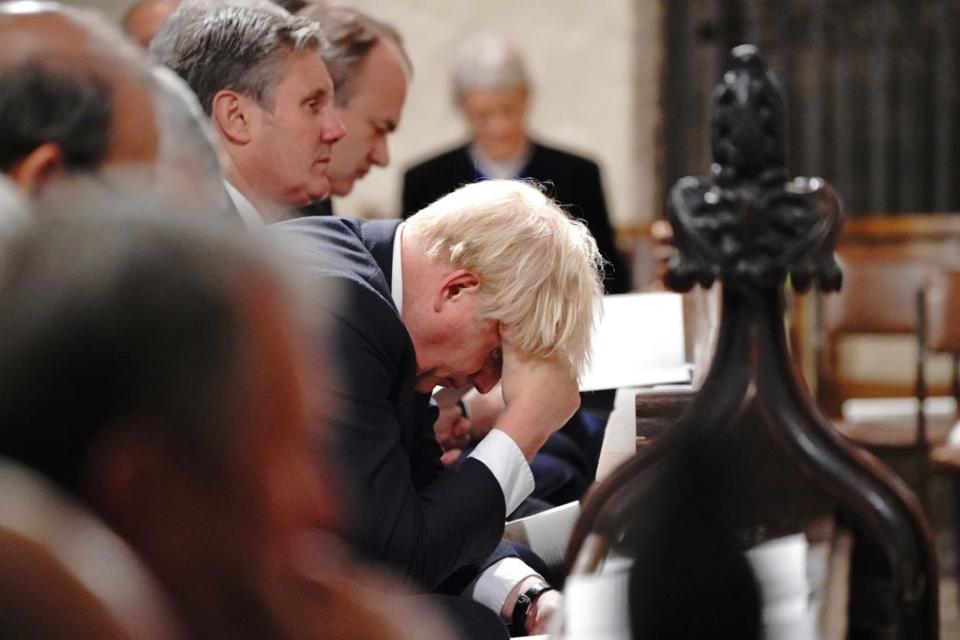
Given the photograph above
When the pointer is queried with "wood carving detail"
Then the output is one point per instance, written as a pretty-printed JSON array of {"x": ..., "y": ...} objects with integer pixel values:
[
  {"x": 748, "y": 225},
  {"x": 752, "y": 439}
]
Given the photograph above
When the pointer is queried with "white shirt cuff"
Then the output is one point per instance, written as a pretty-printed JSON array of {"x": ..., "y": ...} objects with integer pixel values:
[
  {"x": 493, "y": 586},
  {"x": 503, "y": 457}
]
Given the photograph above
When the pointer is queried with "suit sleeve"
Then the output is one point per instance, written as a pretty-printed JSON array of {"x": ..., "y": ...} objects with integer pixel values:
[{"x": 425, "y": 522}]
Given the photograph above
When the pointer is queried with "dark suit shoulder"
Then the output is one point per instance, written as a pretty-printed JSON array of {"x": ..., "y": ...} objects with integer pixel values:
[
  {"x": 454, "y": 156},
  {"x": 355, "y": 299},
  {"x": 556, "y": 159},
  {"x": 435, "y": 177},
  {"x": 334, "y": 247}
]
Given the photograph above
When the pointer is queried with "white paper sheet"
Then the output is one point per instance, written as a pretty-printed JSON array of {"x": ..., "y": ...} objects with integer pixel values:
[
  {"x": 546, "y": 533},
  {"x": 638, "y": 342}
]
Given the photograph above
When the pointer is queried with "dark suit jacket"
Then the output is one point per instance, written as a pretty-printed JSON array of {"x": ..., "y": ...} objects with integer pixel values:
[
  {"x": 412, "y": 514},
  {"x": 571, "y": 180},
  {"x": 318, "y": 208}
]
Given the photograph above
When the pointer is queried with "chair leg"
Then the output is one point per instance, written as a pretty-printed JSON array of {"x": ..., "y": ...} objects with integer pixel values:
[
  {"x": 955, "y": 380},
  {"x": 921, "y": 379}
]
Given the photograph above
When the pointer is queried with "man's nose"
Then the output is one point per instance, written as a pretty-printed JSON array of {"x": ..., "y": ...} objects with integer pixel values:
[
  {"x": 380, "y": 155},
  {"x": 486, "y": 378},
  {"x": 333, "y": 129}
]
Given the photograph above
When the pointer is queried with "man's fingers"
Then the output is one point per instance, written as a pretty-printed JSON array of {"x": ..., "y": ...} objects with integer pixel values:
[{"x": 450, "y": 457}]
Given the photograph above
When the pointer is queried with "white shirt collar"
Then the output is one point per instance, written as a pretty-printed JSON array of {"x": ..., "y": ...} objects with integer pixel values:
[
  {"x": 248, "y": 213},
  {"x": 396, "y": 275},
  {"x": 500, "y": 170}
]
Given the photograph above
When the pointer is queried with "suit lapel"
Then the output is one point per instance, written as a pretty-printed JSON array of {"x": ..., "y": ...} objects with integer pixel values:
[{"x": 378, "y": 236}]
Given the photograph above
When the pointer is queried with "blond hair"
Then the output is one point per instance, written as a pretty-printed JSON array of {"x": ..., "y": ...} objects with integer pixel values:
[{"x": 539, "y": 270}]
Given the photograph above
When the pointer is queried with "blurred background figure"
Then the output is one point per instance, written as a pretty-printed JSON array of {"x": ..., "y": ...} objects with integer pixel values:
[
  {"x": 370, "y": 71},
  {"x": 144, "y": 19},
  {"x": 75, "y": 96},
  {"x": 492, "y": 90}
]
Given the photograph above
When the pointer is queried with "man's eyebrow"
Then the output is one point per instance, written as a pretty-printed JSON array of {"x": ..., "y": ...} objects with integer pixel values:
[
  {"x": 318, "y": 93},
  {"x": 386, "y": 124}
]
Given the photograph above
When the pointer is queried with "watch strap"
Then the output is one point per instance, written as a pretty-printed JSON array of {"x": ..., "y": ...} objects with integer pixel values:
[{"x": 524, "y": 601}]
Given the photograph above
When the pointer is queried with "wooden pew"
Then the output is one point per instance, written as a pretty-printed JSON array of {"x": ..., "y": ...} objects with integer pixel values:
[{"x": 752, "y": 460}]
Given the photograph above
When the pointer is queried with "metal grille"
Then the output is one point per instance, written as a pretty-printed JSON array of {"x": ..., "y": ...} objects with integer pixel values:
[{"x": 871, "y": 88}]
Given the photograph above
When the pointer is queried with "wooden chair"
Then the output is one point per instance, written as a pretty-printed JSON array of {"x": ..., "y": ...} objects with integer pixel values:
[
  {"x": 943, "y": 336},
  {"x": 883, "y": 294},
  {"x": 943, "y": 320}
]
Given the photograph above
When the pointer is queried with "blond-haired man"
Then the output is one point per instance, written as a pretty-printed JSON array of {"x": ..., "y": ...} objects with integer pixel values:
[{"x": 490, "y": 283}]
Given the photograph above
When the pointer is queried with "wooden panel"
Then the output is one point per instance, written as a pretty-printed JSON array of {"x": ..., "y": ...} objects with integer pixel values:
[{"x": 871, "y": 88}]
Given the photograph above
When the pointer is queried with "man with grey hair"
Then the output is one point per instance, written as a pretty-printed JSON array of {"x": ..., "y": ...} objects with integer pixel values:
[
  {"x": 75, "y": 97},
  {"x": 370, "y": 70},
  {"x": 259, "y": 77}
]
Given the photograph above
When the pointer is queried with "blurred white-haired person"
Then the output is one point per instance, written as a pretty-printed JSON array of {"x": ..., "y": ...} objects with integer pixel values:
[{"x": 492, "y": 89}]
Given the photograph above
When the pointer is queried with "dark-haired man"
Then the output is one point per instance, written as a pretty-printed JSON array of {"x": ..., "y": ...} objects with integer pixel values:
[{"x": 74, "y": 96}]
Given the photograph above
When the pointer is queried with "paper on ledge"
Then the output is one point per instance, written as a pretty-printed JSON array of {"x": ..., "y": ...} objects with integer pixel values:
[
  {"x": 546, "y": 533},
  {"x": 638, "y": 342}
]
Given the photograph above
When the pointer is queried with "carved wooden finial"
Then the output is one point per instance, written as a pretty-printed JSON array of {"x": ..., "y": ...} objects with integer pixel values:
[
  {"x": 748, "y": 225},
  {"x": 767, "y": 461}
]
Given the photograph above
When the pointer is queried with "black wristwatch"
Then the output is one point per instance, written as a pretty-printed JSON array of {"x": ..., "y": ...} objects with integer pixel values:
[{"x": 525, "y": 601}]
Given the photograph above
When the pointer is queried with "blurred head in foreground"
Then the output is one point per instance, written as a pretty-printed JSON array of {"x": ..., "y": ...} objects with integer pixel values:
[
  {"x": 155, "y": 368},
  {"x": 93, "y": 586},
  {"x": 75, "y": 95},
  {"x": 144, "y": 18}
]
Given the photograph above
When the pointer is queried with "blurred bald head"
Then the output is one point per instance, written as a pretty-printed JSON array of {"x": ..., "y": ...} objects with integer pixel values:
[
  {"x": 144, "y": 19},
  {"x": 75, "y": 95}
]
